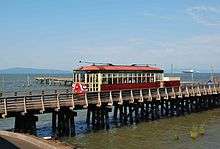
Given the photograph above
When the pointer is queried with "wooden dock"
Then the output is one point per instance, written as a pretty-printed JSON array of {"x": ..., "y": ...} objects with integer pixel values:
[
  {"x": 130, "y": 106},
  {"x": 67, "y": 81}
]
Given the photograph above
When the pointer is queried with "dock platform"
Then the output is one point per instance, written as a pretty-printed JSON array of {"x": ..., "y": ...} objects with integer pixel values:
[
  {"x": 128, "y": 106},
  {"x": 66, "y": 81}
]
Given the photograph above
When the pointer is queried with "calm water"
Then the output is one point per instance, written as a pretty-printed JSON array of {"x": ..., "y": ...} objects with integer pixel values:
[
  {"x": 20, "y": 83},
  {"x": 160, "y": 134},
  {"x": 155, "y": 134}
]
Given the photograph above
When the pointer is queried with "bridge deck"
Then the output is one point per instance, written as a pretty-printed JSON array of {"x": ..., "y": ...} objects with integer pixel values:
[{"x": 9, "y": 106}]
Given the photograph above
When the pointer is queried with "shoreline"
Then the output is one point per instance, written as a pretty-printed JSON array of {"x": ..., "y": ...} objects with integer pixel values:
[{"x": 20, "y": 140}]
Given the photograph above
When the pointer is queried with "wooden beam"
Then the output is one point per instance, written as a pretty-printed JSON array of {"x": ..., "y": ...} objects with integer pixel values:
[
  {"x": 58, "y": 103},
  {"x": 110, "y": 103},
  {"x": 86, "y": 101},
  {"x": 42, "y": 104},
  {"x": 5, "y": 108},
  {"x": 25, "y": 107},
  {"x": 132, "y": 97}
]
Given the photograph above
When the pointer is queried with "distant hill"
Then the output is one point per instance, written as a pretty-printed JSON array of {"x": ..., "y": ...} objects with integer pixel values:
[{"x": 21, "y": 70}]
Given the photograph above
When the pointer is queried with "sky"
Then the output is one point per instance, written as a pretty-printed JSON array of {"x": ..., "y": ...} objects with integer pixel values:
[{"x": 58, "y": 34}]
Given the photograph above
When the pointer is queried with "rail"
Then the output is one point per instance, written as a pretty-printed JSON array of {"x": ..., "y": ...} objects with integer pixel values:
[{"x": 41, "y": 103}]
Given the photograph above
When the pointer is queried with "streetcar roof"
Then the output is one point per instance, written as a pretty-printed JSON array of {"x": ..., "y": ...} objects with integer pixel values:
[{"x": 118, "y": 68}]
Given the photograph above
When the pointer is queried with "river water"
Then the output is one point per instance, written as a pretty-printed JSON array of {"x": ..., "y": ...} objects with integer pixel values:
[
  {"x": 164, "y": 133},
  {"x": 160, "y": 134}
]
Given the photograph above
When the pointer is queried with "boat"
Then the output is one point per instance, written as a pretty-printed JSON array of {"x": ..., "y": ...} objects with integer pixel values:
[{"x": 188, "y": 71}]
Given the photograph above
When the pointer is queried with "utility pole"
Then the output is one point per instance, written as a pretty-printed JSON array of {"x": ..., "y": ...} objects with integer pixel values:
[
  {"x": 2, "y": 90},
  {"x": 212, "y": 73}
]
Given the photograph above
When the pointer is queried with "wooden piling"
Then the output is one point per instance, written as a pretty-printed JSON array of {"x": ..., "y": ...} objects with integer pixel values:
[
  {"x": 136, "y": 108},
  {"x": 171, "y": 107},
  {"x": 167, "y": 107},
  {"x": 146, "y": 111},
  {"x": 152, "y": 111},
  {"x": 130, "y": 113},
  {"x": 182, "y": 102},
  {"x": 121, "y": 114},
  {"x": 115, "y": 116},
  {"x": 102, "y": 110},
  {"x": 157, "y": 109},
  {"x": 25, "y": 123},
  {"x": 142, "y": 106},
  {"x": 107, "y": 125},
  {"x": 93, "y": 118},
  {"x": 162, "y": 107},
  {"x": 98, "y": 118},
  {"x": 125, "y": 114},
  {"x": 177, "y": 106},
  {"x": 54, "y": 122},
  {"x": 88, "y": 117}
]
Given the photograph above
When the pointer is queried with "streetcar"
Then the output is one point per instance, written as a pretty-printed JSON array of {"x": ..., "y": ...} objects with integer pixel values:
[{"x": 109, "y": 77}]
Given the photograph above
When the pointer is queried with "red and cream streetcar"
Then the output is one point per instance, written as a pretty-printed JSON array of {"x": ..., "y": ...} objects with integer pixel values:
[{"x": 108, "y": 77}]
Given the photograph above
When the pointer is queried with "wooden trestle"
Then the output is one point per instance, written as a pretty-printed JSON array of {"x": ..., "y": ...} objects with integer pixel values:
[{"x": 129, "y": 106}]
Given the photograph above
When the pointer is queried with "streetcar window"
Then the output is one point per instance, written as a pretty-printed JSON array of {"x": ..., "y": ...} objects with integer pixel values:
[
  {"x": 115, "y": 78},
  {"x": 82, "y": 77},
  {"x": 144, "y": 78},
  {"x": 104, "y": 78},
  {"x": 95, "y": 78},
  {"x": 151, "y": 77},
  {"x": 158, "y": 76},
  {"x": 134, "y": 78},
  {"x": 120, "y": 78},
  {"x": 148, "y": 77},
  {"x": 130, "y": 78},
  {"x": 76, "y": 78},
  {"x": 88, "y": 78},
  {"x": 124, "y": 78},
  {"x": 109, "y": 78},
  {"x": 139, "y": 78}
]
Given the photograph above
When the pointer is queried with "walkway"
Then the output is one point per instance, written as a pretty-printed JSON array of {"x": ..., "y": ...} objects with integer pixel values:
[{"x": 10, "y": 140}]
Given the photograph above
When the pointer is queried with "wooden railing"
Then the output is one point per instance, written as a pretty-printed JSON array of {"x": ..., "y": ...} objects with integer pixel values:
[
  {"x": 47, "y": 102},
  {"x": 34, "y": 92}
]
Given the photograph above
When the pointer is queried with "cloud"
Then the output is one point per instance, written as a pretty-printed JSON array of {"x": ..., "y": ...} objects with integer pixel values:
[
  {"x": 200, "y": 51},
  {"x": 206, "y": 40},
  {"x": 206, "y": 15}
]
